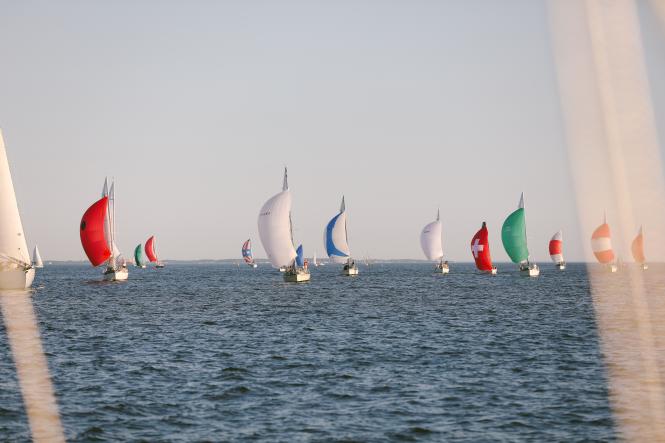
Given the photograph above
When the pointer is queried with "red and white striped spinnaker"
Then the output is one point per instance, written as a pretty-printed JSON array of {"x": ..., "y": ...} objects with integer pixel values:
[
  {"x": 601, "y": 243},
  {"x": 556, "y": 247}
]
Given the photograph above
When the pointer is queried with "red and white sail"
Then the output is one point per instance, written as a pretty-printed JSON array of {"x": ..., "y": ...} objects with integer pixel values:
[
  {"x": 556, "y": 248},
  {"x": 637, "y": 248},
  {"x": 480, "y": 249},
  {"x": 601, "y": 243},
  {"x": 150, "y": 249}
]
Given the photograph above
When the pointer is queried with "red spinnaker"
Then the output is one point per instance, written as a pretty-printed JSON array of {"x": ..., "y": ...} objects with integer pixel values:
[
  {"x": 480, "y": 249},
  {"x": 556, "y": 247},
  {"x": 150, "y": 249},
  {"x": 93, "y": 238}
]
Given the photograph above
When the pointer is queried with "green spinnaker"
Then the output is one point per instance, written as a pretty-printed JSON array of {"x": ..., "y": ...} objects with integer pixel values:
[
  {"x": 138, "y": 255},
  {"x": 513, "y": 235}
]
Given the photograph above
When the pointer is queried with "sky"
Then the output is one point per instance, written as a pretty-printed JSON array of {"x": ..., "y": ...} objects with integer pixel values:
[{"x": 194, "y": 108}]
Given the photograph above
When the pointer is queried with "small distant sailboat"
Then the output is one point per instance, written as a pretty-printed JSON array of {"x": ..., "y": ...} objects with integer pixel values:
[
  {"x": 276, "y": 233},
  {"x": 97, "y": 231},
  {"x": 247, "y": 253},
  {"x": 480, "y": 249},
  {"x": 430, "y": 241},
  {"x": 637, "y": 248},
  {"x": 336, "y": 241},
  {"x": 151, "y": 252},
  {"x": 138, "y": 256},
  {"x": 314, "y": 262},
  {"x": 513, "y": 236},
  {"x": 16, "y": 271},
  {"x": 37, "y": 258},
  {"x": 556, "y": 251},
  {"x": 601, "y": 245}
]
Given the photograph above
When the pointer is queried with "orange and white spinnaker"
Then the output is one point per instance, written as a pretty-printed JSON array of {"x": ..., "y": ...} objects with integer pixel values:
[
  {"x": 601, "y": 243},
  {"x": 637, "y": 248}
]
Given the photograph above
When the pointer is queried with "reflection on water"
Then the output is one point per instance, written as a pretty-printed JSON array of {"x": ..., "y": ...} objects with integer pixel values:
[{"x": 33, "y": 375}]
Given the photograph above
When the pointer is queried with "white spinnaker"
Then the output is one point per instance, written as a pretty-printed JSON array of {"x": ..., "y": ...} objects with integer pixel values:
[
  {"x": 430, "y": 240},
  {"x": 37, "y": 258},
  {"x": 275, "y": 229},
  {"x": 12, "y": 239},
  {"x": 339, "y": 239}
]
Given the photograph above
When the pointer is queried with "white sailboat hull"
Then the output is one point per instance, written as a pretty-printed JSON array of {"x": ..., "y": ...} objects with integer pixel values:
[
  {"x": 16, "y": 278},
  {"x": 613, "y": 268},
  {"x": 351, "y": 271},
  {"x": 645, "y": 266},
  {"x": 296, "y": 276},
  {"x": 531, "y": 271},
  {"x": 117, "y": 275},
  {"x": 442, "y": 269},
  {"x": 494, "y": 271},
  {"x": 561, "y": 266}
]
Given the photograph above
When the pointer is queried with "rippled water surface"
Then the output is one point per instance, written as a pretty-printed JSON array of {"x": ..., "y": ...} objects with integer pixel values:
[{"x": 226, "y": 353}]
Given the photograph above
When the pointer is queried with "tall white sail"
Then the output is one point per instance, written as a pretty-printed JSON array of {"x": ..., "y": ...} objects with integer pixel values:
[
  {"x": 275, "y": 228},
  {"x": 37, "y": 258},
  {"x": 14, "y": 252},
  {"x": 335, "y": 237},
  {"x": 430, "y": 240}
]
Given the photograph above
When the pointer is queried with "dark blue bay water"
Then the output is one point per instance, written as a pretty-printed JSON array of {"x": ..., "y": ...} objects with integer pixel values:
[{"x": 220, "y": 353}]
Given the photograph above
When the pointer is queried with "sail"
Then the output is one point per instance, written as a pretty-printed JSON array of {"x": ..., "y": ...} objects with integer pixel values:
[
  {"x": 601, "y": 244},
  {"x": 430, "y": 240},
  {"x": 93, "y": 237},
  {"x": 335, "y": 237},
  {"x": 637, "y": 248},
  {"x": 556, "y": 247},
  {"x": 274, "y": 223},
  {"x": 247, "y": 252},
  {"x": 513, "y": 235},
  {"x": 37, "y": 258},
  {"x": 150, "y": 249},
  {"x": 480, "y": 249},
  {"x": 13, "y": 248},
  {"x": 138, "y": 255},
  {"x": 300, "y": 261}
]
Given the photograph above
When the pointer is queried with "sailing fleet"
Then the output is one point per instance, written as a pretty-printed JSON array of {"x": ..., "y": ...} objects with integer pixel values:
[{"x": 98, "y": 234}]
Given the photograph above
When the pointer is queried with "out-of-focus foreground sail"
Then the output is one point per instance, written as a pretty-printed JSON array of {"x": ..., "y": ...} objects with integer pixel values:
[
  {"x": 247, "y": 253},
  {"x": 601, "y": 245},
  {"x": 637, "y": 248},
  {"x": 556, "y": 250},
  {"x": 16, "y": 271},
  {"x": 37, "y": 258},
  {"x": 480, "y": 249}
]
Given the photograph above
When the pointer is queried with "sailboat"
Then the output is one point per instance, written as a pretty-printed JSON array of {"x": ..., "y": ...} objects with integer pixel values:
[
  {"x": 480, "y": 249},
  {"x": 637, "y": 248},
  {"x": 151, "y": 252},
  {"x": 430, "y": 241},
  {"x": 314, "y": 262},
  {"x": 97, "y": 231},
  {"x": 556, "y": 251},
  {"x": 247, "y": 253},
  {"x": 513, "y": 236},
  {"x": 601, "y": 245},
  {"x": 336, "y": 242},
  {"x": 16, "y": 272},
  {"x": 276, "y": 233},
  {"x": 138, "y": 256},
  {"x": 37, "y": 258}
]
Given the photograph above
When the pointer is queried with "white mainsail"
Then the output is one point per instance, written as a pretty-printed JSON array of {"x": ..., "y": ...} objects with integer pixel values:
[
  {"x": 37, "y": 258},
  {"x": 14, "y": 252},
  {"x": 335, "y": 237},
  {"x": 275, "y": 228},
  {"x": 430, "y": 240}
]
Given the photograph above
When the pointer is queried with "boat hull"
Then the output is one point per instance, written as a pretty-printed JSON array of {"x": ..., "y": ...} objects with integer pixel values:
[
  {"x": 351, "y": 271},
  {"x": 16, "y": 278},
  {"x": 560, "y": 266},
  {"x": 119, "y": 275},
  {"x": 613, "y": 268},
  {"x": 494, "y": 271},
  {"x": 296, "y": 277},
  {"x": 531, "y": 271},
  {"x": 442, "y": 270}
]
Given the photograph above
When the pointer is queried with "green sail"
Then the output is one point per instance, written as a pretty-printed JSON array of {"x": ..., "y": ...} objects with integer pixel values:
[
  {"x": 513, "y": 235},
  {"x": 138, "y": 255}
]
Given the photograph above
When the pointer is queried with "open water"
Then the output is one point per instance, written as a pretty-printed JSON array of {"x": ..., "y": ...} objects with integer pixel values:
[{"x": 225, "y": 353}]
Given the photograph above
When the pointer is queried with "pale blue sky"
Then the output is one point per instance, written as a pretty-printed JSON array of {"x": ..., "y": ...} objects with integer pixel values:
[{"x": 195, "y": 107}]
